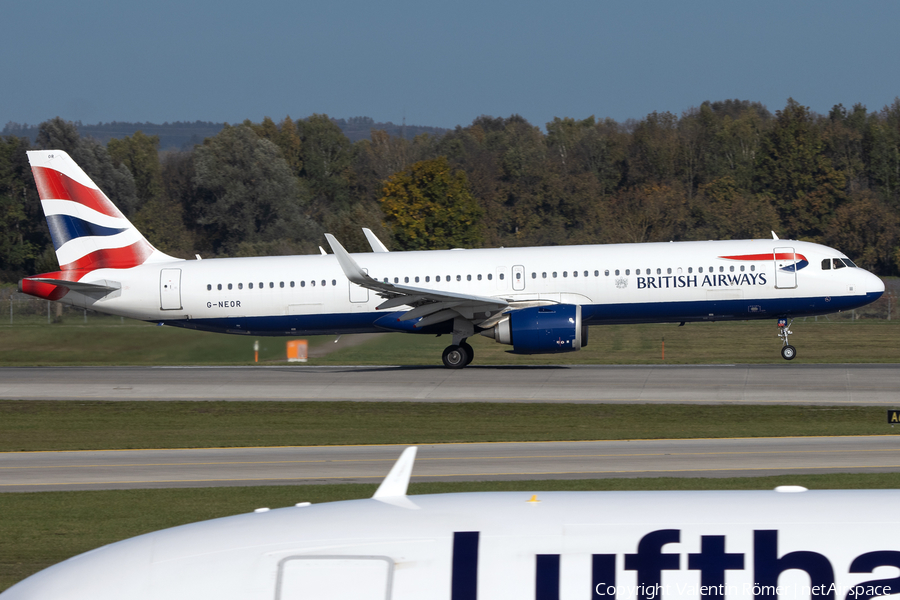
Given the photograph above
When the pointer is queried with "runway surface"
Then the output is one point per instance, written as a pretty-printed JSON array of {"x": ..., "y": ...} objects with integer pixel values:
[
  {"x": 785, "y": 383},
  {"x": 125, "y": 469}
]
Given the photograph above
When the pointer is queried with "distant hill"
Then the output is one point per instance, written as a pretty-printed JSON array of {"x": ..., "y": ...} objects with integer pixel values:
[{"x": 183, "y": 135}]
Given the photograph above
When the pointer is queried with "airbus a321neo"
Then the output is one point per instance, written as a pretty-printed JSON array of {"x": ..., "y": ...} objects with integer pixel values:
[
  {"x": 788, "y": 543},
  {"x": 538, "y": 300}
]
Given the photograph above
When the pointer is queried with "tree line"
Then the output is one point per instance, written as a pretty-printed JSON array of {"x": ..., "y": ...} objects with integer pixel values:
[{"x": 723, "y": 170}]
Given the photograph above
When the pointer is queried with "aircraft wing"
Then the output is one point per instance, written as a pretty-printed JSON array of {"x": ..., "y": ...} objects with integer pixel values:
[{"x": 432, "y": 306}]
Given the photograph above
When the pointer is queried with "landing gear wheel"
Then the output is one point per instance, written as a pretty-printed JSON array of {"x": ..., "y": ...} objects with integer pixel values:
[
  {"x": 470, "y": 353},
  {"x": 788, "y": 352},
  {"x": 455, "y": 357}
]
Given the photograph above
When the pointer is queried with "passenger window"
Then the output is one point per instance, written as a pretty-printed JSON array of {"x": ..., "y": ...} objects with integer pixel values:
[
  {"x": 606, "y": 272},
  {"x": 479, "y": 277},
  {"x": 229, "y": 286},
  {"x": 468, "y": 278},
  {"x": 417, "y": 279},
  {"x": 448, "y": 278},
  {"x": 565, "y": 273},
  {"x": 406, "y": 280},
  {"x": 690, "y": 269},
  {"x": 323, "y": 283},
  {"x": 534, "y": 275},
  {"x": 721, "y": 269},
  {"x": 544, "y": 275},
  {"x": 208, "y": 287},
  {"x": 659, "y": 271},
  {"x": 261, "y": 286},
  {"x": 240, "y": 286},
  {"x": 490, "y": 276},
  {"x": 313, "y": 283},
  {"x": 752, "y": 267},
  {"x": 219, "y": 287},
  {"x": 459, "y": 277},
  {"x": 731, "y": 268},
  {"x": 292, "y": 284},
  {"x": 574, "y": 273},
  {"x": 637, "y": 271},
  {"x": 628, "y": 271},
  {"x": 281, "y": 284},
  {"x": 595, "y": 273},
  {"x": 333, "y": 282},
  {"x": 396, "y": 280},
  {"x": 271, "y": 284},
  {"x": 700, "y": 270},
  {"x": 518, "y": 276},
  {"x": 438, "y": 278},
  {"x": 617, "y": 272},
  {"x": 554, "y": 274},
  {"x": 669, "y": 271},
  {"x": 303, "y": 284},
  {"x": 427, "y": 278}
]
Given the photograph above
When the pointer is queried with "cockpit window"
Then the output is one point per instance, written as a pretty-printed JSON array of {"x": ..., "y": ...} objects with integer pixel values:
[
  {"x": 839, "y": 264},
  {"x": 826, "y": 264},
  {"x": 849, "y": 263}
]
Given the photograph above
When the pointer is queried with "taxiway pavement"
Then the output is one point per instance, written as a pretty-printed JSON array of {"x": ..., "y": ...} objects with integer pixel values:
[
  {"x": 787, "y": 383},
  {"x": 125, "y": 469}
]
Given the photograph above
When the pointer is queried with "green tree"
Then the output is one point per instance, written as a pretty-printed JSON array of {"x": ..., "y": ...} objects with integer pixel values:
[
  {"x": 140, "y": 154},
  {"x": 868, "y": 231},
  {"x": 327, "y": 158},
  {"x": 795, "y": 172},
  {"x": 247, "y": 193},
  {"x": 428, "y": 206}
]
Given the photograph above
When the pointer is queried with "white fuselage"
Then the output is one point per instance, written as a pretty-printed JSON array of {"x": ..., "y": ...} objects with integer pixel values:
[
  {"x": 833, "y": 545},
  {"x": 622, "y": 283}
]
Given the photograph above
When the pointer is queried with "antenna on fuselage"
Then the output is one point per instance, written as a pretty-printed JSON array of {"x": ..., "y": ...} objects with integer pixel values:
[{"x": 775, "y": 236}]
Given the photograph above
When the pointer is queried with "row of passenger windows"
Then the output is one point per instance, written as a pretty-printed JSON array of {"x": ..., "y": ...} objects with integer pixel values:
[
  {"x": 262, "y": 285},
  {"x": 556, "y": 274},
  {"x": 518, "y": 275}
]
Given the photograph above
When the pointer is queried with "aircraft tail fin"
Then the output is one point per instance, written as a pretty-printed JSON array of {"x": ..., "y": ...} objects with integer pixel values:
[{"x": 88, "y": 231}]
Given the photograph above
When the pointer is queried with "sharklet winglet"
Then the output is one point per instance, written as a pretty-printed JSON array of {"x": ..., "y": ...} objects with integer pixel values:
[{"x": 393, "y": 489}]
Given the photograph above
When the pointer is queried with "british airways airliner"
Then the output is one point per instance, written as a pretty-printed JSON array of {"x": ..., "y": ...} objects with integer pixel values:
[
  {"x": 788, "y": 543},
  {"x": 538, "y": 300}
]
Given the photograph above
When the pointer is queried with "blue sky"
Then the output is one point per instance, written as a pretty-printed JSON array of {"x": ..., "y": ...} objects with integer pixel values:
[{"x": 437, "y": 63}]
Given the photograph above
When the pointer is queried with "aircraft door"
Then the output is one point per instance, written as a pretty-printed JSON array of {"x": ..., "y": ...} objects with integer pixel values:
[
  {"x": 335, "y": 578},
  {"x": 170, "y": 289},
  {"x": 785, "y": 268},
  {"x": 518, "y": 278},
  {"x": 358, "y": 293}
]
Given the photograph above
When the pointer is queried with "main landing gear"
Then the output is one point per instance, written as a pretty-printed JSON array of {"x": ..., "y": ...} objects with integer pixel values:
[
  {"x": 788, "y": 352},
  {"x": 459, "y": 353},
  {"x": 457, "y": 356}
]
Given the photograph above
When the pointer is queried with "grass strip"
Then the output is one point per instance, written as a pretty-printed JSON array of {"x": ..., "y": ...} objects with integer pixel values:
[
  {"x": 112, "y": 342},
  {"x": 43, "y": 528},
  {"x": 27, "y": 425}
]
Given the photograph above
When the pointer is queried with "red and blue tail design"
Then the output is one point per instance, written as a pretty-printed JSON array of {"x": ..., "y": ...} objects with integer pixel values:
[{"x": 88, "y": 231}]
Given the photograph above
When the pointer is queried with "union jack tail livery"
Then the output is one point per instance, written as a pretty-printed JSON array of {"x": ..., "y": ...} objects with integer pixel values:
[{"x": 88, "y": 231}]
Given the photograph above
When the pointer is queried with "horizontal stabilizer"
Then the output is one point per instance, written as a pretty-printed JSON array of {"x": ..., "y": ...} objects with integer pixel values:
[{"x": 81, "y": 287}]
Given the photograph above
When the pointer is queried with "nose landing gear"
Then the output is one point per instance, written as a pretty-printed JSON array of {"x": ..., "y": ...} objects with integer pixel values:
[{"x": 788, "y": 352}]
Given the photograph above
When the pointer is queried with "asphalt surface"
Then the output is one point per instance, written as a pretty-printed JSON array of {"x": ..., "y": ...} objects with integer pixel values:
[
  {"x": 784, "y": 383},
  {"x": 125, "y": 469}
]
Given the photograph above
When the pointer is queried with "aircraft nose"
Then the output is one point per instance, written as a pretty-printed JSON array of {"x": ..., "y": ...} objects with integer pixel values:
[{"x": 873, "y": 285}]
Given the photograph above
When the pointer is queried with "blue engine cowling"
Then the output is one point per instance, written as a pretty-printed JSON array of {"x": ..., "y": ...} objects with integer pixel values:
[{"x": 542, "y": 330}]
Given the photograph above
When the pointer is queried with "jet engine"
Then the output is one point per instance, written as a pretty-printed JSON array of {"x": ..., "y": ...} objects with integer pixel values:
[{"x": 542, "y": 330}]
